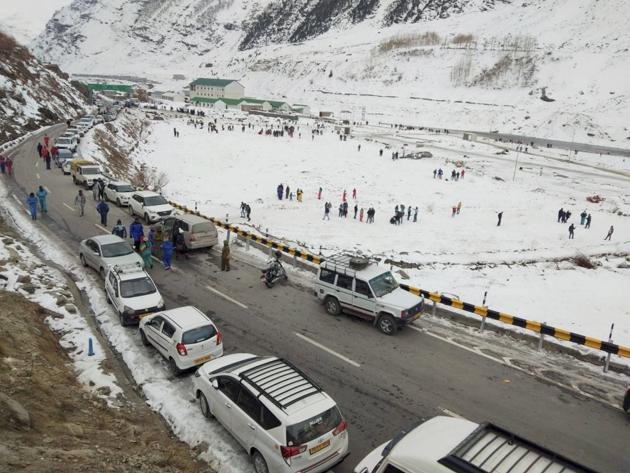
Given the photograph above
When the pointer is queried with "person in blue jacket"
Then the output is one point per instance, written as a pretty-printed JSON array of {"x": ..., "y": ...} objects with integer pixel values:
[
  {"x": 135, "y": 232},
  {"x": 167, "y": 253},
  {"x": 102, "y": 208},
  {"x": 32, "y": 205},
  {"x": 41, "y": 195}
]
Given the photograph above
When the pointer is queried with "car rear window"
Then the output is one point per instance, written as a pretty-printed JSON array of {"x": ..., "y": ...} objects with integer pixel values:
[
  {"x": 313, "y": 428},
  {"x": 198, "y": 335},
  {"x": 203, "y": 227}
]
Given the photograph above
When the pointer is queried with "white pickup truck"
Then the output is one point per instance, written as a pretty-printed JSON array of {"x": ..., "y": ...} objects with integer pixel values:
[{"x": 85, "y": 173}]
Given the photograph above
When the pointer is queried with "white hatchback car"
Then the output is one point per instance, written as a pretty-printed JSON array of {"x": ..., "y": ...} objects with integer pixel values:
[
  {"x": 132, "y": 292},
  {"x": 185, "y": 336},
  {"x": 283, "y": 420},
  {"x": 150, "y": 206},
  {"x": 119, "y": 192}
]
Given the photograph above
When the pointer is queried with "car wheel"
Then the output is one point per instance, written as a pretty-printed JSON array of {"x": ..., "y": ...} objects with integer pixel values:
[
  {"x": 387, "y": 324},
  {"x": 145, "y": 340},
  {"x": 101, "y": 272},
  {"x": 204, "y": 406},
  {"x": 146, "y": 219},
  {"x": 260, "y": 465},
  {"x": 174, "y": 368},
  {"x": 82, "y": 258},
  {"x": 332, "y": 306}
]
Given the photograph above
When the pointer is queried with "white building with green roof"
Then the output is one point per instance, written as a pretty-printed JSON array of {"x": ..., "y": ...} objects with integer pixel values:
[{"x": 217, "y": 89}]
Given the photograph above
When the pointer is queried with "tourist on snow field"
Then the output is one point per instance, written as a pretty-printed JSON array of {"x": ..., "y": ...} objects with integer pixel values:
[
  {"x": 560, "y": 214},
  {"x": 102, "y": 208},
  {"x": 571, "y": 230},
  {"x": 32, "y": 205},
  {"x": 588, "y": 221},
  {"x": 41, "y": 196},
  {"x": 135, "y": 232},
  {"x": 119, "y": 229},
  {"x": 280, "y": 191}
]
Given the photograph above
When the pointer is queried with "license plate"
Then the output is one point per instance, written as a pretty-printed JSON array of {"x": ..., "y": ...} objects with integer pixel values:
[
  {"x": 417, "y": 316},
  {"x": 203, "y": 359},
  {"x": 142, "y": 316},
  {"x": 318, "y": 448}
]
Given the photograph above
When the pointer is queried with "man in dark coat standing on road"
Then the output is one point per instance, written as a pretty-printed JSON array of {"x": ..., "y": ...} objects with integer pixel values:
[
  {"x": 135, "y": 232},
  {"x": 102, "y": 208}
]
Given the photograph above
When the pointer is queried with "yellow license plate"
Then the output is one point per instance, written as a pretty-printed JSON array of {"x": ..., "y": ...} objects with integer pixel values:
[
  {"x": 417, "y": 316},
  {"x": 142, "y": 316},
  {"x": 203, "y": 359},
  {"x": 319, "y": 447}
]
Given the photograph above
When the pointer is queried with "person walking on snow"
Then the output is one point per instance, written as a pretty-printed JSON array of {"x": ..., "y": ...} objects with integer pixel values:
[
  {"x": 461, "y": 174},
  {"x": 102, "y": 208},
  {"x": 225, "y": 256},
  {"x": 571, "y": 230},
  {"x": 327, "y": 206},
  {"x": 459, "y": 207},
  {"x": 560, "y": 215},
  {"x": 361, "y": 215},
  {"x": 135, "y": 232},
  {"x": 319, "y": 194},
  {"x": 79, "y": 201},
  {"x": 280, "y": 191},
  {"x": 588, "y": 221},
  {"x": 41, "y": 196},
  {"x": 119, "y": 230},
  {"x": 409, "y": 213},
  {"x": 499, "y": 218},
  {"x": 454, "y": 210},
  {"x": 356, "y": 209},
  {"x": 145, "y": 252},
  {"x": 611, "y": 230},
  {"x": 434, "y": 173},
  {"x": 32, "y": 205},
  {"x": 354, "y": 194},
  {"x": 286, "y": 192},
  {"x": 583, "y": 216},
  {"x": 167, "y": 253},
  {"x": 343, "y": 196},
  {"x": 415, "y": 214}
]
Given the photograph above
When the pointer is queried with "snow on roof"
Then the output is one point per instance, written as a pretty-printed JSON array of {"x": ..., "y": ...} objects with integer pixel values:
[{"x": 213, "y": 82}]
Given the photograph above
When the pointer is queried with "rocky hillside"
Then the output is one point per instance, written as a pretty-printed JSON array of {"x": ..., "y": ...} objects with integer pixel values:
[{"x": 32, "y": 94}]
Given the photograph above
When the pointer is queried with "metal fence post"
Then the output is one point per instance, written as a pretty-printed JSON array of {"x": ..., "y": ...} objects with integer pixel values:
[
  {"x": 483, "y": 323},
  {"x": 607, "y": 364}
]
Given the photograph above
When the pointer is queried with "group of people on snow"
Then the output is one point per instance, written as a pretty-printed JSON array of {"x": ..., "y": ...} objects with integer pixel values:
[{"x": 6, "y": 165}]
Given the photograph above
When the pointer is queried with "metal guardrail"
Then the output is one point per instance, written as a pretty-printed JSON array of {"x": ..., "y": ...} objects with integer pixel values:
[{"x": 484, "y": 312}]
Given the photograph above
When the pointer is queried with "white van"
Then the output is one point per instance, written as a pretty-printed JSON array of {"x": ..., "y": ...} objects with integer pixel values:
[{"x": 447, "y": 445}]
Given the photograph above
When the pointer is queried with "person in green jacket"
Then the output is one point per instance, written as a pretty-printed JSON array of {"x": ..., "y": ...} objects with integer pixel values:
[
  {"x": 145, "y": 252},
  {"x": 158, "y": 238},
  {"x": 41, "y": 195}
]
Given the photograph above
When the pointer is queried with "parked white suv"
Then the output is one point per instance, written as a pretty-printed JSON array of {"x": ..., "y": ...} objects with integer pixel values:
[
  {"x": 132, "y": 292},
  {"x": 367, "y": 290},
  {"x": 446, "y": 444},
  {"x": 284, "y": 421},
  {"x": 151, "y": 206},
  {"x": 185, "y": 336},
  {"x": 119, "y": 192}
]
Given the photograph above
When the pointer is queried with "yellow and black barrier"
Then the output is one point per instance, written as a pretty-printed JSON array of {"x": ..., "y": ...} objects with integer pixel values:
[
  {"x": 254, "y": 237},
  {"x": 532, "y": 325}
]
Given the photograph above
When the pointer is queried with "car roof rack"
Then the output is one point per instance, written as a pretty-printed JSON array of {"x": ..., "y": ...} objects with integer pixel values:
[
  {"x": 492, "y": 449},
  {"x": 280, "y": 382},
  {"x": 128, "y": 268},
  {"x": 346, "y": 263}
]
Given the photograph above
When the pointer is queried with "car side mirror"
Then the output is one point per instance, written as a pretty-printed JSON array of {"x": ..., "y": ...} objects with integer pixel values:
[{"x": 215, "y": 384}]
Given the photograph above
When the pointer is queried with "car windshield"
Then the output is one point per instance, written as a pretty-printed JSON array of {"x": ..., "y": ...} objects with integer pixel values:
[
  {"x": 124, "y": 188},
  {"x": 154, "y": 200},
  {"x": 204, "y": 227},
  {"x": 313, "y": 428},
  {"x": 383, "y": 284},
  {"x": 198, "y": 335},
  {"x": 120, "y": 248},
  {"x": 137, "y": 287},
  {"x": 90, "y": 170}
]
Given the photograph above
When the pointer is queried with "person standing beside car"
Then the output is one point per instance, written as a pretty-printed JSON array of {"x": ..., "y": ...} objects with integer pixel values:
[
  {"x": 135, "y": 232},
  {"x": 79, "y": 201},
  {"x": 119, "y": 230},
  {"x": 103, "y": 209}
]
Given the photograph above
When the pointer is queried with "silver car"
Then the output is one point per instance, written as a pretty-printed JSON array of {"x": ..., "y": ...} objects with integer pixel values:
[
  {"x": 198, "y": 232},
  {"x": 104, "y": 251}
]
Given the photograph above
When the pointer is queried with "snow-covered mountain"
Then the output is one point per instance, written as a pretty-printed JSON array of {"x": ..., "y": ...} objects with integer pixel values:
[
  {"x": 32, "y": 94},
  {"x": 550, "y": 68}
]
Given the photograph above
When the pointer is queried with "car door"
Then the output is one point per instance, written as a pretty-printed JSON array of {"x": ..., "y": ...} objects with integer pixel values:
[
  {"x": 165, "y": 338},
  {"x": 93, "y": 255},
  {"x": 226, "y": 396},
  {"x": 343, "y": 288},
  {"x": 136, "y": 205},
  {"x": 246, "y": 419},
  {"x": 167, "y": 225},
  {"x": 363, "y": 299},
  {"x": 110, "y": 192},
  {"x": 153, "y": 330}
]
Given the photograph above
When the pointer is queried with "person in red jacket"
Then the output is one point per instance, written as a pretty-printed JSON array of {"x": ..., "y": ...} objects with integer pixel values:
[
  {"x": 9, "y": 165},
  {"x": 46, "y": 140},
  {"x": 54, "y": 152}
]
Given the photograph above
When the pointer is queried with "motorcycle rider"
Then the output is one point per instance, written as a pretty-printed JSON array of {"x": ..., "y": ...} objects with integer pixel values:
[{"x": 275, "y": 269}]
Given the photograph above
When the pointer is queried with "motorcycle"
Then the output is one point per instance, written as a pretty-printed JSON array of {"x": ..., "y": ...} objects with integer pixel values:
[{"x": 273, "y": 273}]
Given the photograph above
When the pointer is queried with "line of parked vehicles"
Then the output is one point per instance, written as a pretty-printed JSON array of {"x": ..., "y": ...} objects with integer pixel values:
[{"x": 282, "y": 418}]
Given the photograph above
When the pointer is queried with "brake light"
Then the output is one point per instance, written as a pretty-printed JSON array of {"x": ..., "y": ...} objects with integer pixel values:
[
  {"x": 181, "y": 349},
  {"x": 404, "y": 314},
  {"x": 219, "y": 338},
  {"x": 343, "y": 425},
  {"x": 288, "y": 452}
]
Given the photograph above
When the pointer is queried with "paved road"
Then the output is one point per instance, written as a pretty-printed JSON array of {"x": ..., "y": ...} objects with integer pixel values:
[{"x": 381, "y": 383}]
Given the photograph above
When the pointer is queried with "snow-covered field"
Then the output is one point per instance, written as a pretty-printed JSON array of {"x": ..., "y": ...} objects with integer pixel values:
[{"x": 525, "y": 264}]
